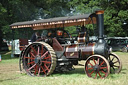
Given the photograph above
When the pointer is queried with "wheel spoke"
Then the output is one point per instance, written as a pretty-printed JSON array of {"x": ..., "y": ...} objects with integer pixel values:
[
  {"x": 43, "y": 70},
  {"x": 113, "y": 68},
  {"x": 34, "y": 50},
  {"x": 113, "y": 58},
  {"x": 103, "y": 67},
  {"x": 98, "y": 61},
  {"x": 29, "y": 58},
  {"x": 116, "y": 66},
  {"x": 35, "y": 70},
  {"x": 90, "y": 64},
  {"x": 99, "y": 75},
  {"x": 44, "y": 54},
  {"x": 46, "y": 62},
  {"x": 109, "y": 58},
  {"x": 39, "y": 71},
  {"x": 94, "y": 61},
  {"x": 47, "y": 57},
  {"x": 31, "y": 67},
  {"x": 31, "y": 62},
  {"x": 38, "y": 51},
  {"x": 102, "y": 63},
  {"x": 95, "y": 75},
  {"x": 90, "y": 68},
  {"x": 32, "y": 54},
  {"x": 42, "y": 50},
  {"x": 46, "y": 67},
  {"x": 116, "y": 62},
  {"x": 103, "y": 72},
  {"x": 91, "y": 73}
]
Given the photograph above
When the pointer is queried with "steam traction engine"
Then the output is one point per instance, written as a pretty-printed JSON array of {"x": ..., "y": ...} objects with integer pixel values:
[{"x": 59, "y": 51}]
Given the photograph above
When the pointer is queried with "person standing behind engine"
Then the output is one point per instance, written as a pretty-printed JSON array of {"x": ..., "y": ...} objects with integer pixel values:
[{"x": 35, "y": 36}]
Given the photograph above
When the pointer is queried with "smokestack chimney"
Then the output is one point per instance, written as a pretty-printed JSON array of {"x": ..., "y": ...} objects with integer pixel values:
[{"x": 100, "y": 23}]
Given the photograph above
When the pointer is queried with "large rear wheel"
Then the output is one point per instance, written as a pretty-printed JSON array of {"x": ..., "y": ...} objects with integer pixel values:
[
  {"x": 39, "y": 59},
  {"x": 97, "y": 66},
  {"x": 21, "y": 62}
]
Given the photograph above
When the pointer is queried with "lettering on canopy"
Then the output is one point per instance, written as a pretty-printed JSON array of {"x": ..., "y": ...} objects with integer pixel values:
[{"x": 55, "y": 22}]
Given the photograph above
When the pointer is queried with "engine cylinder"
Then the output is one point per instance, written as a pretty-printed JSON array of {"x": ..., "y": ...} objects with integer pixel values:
[{"x": 83, "y": 37}]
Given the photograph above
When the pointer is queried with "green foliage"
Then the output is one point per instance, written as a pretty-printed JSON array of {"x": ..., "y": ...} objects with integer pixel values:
[
  {"x": 116, "y": 14},
  {"x": 115, "y": 17},
  {"x": 25, "y": 10},
  {"x": 84, "y": 6},
  {"x": 72, "y": 30}
]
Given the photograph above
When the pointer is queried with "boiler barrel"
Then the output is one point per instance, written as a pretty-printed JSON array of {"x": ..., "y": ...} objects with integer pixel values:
[{"x": 94, "y": 48}]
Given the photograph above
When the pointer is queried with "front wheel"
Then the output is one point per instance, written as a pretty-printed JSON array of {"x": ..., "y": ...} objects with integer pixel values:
[
  {"x": 97, "y": 66},
  {"x": 115, "y": 63}
]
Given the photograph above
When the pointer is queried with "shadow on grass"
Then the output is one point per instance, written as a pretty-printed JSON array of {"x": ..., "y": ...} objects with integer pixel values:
[
  {"x": 9, "y": 79},
  {"x": 81, "y": 72},
  {"x": 117, "y": 75},
  {"x": 123, "y": 71},
  {"x": 78, "y": 71}
]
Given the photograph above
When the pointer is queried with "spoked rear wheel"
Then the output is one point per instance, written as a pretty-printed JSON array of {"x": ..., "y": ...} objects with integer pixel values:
[
  {"x": 97, "y": 66},
  {"x": 39, "y": 59},
  {"x": 115, "y": 63},
  {"x": 21, "y": 62}
]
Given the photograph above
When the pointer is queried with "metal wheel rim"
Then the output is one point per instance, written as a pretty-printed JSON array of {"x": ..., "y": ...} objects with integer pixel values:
[
  {"x": 103, "y": 69},
  {"x": 115, "y": 63},
  {"x": 21, "y": 62},
  {"x": 39, "y": 59}
]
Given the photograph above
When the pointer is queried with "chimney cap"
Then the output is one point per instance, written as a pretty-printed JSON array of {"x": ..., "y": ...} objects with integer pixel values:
[{"x": 100, "y": 12}]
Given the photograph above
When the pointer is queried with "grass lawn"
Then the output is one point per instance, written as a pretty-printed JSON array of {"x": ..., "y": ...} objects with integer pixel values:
[{"x": 10, "y": 75}]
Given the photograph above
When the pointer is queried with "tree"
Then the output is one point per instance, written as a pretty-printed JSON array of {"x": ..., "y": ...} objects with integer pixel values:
[
  {"x": 116, "y": 14},
  {"x": 26, "y": 10},
  {"x": 2, "y": 22}
]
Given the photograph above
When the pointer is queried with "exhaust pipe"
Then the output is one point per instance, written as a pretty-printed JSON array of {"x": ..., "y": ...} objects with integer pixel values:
[
  {"x": 101, "y": 46},
  {"x": 100, "y": 24}
]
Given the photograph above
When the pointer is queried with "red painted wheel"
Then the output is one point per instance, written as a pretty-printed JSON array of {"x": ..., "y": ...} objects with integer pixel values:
[
  {"x": 97, "y": 66},
  {"x": 115, "y": 63},
  {"x": 39, "y": 59}
]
